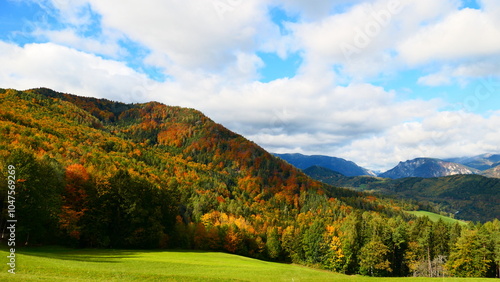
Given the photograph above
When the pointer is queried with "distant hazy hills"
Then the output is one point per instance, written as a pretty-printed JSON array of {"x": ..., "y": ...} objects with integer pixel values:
[
  {"x": 481, "y": 162},
  {"x": 485, "y": 164},
  {"x": 347, "y": 168}
]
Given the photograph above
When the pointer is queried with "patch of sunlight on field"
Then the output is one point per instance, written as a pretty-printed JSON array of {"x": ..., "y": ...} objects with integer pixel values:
[{"x": 435, "y": 217}]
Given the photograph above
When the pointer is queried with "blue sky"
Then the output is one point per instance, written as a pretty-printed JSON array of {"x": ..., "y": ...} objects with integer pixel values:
[{"x": 375, "y": 82}]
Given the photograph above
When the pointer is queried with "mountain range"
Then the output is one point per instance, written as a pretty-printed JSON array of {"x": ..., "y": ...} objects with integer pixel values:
[
  {"x": 427, "y": 167},
  {"x": 347, "y": 168},
  {"x": 485, "y": 164},
  {"x": 466, "y": 196},
  {"x": 466, "y": 187},
  {"x": 480, "y": 162}
]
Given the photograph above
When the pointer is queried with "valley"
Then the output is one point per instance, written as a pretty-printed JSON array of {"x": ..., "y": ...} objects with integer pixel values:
[{"x": 466, "y": 197}]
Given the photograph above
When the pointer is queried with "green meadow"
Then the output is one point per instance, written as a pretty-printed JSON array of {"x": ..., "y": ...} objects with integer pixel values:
[
  {"x": 435, "y": 217},
  {"x": 62, "y": 264}
]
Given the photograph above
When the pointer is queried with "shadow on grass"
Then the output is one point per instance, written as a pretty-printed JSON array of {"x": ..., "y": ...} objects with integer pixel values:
[
  {"x": 83, "y": 255},
  {"x": 91, "y": 255}
]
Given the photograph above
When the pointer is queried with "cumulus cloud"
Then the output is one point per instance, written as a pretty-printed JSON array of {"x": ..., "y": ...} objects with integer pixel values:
[
  {"x": 68, "y": 70},
  {"x": 298, "y": 116},
  {"x": 463, "y": 73},
  {"x": 350, "y": 38},
  {"x": 442, "y": 135},
  {"x": 194, "y": 35},
  {"x": 363, "y": 38},
  {"x": 68, "y": 37},
  {"x": 435, "y": 79},
  {"x": 451, "y": 38},
  {"x": 315, "y": 9},
  {"x": 74, "y": 12}
]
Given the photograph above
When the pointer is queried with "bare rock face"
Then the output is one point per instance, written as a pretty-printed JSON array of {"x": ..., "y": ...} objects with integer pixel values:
[
  {"x": 427, "y": 167},
  {"x": 492, "y": 172}
]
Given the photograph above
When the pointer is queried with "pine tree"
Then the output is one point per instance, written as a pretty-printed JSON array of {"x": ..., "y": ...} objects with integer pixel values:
[
  {"x": 469, "y": 258},
  {"x": 374, "y": 260},
  {"x": 312, "y": 242},
  {"x": 38, "y": 197},
  {"x": 273, "y": 244}
]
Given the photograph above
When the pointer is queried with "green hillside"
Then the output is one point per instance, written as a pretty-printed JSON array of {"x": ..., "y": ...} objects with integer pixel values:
[
  {"x": 93, "y": 173},
  {"x": 436, "y": 217}
]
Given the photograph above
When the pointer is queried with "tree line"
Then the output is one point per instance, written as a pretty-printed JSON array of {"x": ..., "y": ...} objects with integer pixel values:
[{"x": 67, "y": 205}]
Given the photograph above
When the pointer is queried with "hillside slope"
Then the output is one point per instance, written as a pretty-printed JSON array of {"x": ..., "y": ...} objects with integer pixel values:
[
  {"x": 492, "y": 172},
  {"x": 116, "y": 163}
]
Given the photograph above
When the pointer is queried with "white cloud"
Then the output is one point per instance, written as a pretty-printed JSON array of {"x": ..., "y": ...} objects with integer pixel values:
[
  {"x": 73, "y": 12},
  {"x": 442, "y": 135},
  {"x": 192, "y": 35},
  {"x": 295, "y": 115},
  {"x": 435, "y": 79},
  {"x": 463, "y": 73},
  {"x": 464, "y": 34},
  {"x": 68, "y": 37},
  {"x": 315, "y": 9},
  {"x": 363, "y": 39},
  {"x": 478, "y": 68},
  {"x": 342, "y": 37},
  {"x": 68, "y": 70}
]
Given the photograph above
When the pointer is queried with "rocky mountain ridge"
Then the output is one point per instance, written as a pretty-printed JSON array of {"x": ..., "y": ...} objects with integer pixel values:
[{"x": 427, "y": 167}]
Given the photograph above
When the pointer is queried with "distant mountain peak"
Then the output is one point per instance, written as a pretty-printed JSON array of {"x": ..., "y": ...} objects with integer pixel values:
[
  {"x": 427, "y": 167},
  {"x": 493, "y": 172},
  {"x": 481, "y": 162},
  {"x": 345, "y": 167}
]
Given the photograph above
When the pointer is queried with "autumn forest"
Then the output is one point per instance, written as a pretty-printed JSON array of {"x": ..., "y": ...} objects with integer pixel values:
[{"x": 94, "y": 173}]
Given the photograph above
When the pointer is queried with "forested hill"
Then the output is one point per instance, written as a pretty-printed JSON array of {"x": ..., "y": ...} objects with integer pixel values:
[
  {"x": 76, "y": 154},
  {"x": 97, "y": 173}
]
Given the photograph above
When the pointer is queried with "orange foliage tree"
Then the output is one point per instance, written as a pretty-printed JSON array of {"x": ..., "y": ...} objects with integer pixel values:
[{"x": 74, "y": 199}]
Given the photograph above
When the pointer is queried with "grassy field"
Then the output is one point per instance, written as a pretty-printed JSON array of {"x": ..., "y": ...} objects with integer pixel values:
[
  {"x": 435, "y": 217},
  {"x": 63, "y": 264}
]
